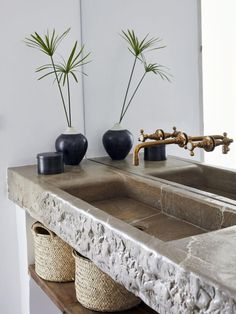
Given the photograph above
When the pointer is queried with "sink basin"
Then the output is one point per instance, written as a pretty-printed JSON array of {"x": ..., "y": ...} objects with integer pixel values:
[
  {"x": 138, "y": 204},
  {"x": 202, "y": 177}
]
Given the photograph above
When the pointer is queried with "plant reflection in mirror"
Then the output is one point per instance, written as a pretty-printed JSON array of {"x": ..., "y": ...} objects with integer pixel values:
[{"x": 138, "y": 48}]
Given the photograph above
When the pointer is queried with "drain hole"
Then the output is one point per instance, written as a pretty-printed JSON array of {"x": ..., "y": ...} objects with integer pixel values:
[{"x": 140, "y": 228}]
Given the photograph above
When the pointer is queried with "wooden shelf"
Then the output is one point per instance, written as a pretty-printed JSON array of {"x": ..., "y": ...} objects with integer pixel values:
[{"x": 63, "y": 296}]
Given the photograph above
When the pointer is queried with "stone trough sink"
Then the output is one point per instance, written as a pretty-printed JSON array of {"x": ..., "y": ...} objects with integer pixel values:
[
  {"x": 173, "y": 248},
  {"x": 140, "y": 204}
]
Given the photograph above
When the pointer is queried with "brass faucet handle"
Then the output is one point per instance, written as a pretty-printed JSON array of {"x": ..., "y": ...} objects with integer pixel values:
[
  {"x": 191, "y": 146},
  {"x": 158, "y": 135},
  {"x": 226, "y": 142},
  {"x": 225, "y": 149},
  {"x": 208, "y": 144},
  {"x": 168, "y": 135},
  {"x": 143, "y": 137},
  {"x": 181, "y": 139},
  {"x": 225, "y": 146},
  {"x": 175, "y": 132}
]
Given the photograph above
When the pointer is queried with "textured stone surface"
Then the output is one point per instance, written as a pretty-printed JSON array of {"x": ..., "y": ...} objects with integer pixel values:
[{"x": 171, "y": 278}]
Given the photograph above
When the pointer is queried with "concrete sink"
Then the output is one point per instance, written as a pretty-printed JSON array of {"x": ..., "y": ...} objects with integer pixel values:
[
  {"x": 139, "y": 204},
  {"x": 172, "y": 247}
]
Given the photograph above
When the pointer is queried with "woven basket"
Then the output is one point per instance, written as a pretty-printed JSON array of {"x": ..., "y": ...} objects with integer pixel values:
[
  {"x": 53, "y": 257},
  {"x": 96, "y": 291}
]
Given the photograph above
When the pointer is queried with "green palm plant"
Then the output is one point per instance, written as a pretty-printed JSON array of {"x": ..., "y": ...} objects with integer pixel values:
[
  {"x": 63, "y": 70},
  {"x": 139, "y": 48}
]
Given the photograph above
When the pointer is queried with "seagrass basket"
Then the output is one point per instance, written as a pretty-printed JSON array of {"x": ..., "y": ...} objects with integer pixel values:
[
  {"x": 53, "y": 257},
  {"x": 96, "y": 291}
]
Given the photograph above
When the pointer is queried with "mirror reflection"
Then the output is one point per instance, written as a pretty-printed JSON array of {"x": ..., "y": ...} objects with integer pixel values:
[{"x": 158, "y": 104}]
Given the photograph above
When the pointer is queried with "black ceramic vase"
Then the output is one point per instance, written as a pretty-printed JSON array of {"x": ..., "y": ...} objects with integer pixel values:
[
  {"x": 117, "y": 142},
  {"x": 73, "y": 145}
]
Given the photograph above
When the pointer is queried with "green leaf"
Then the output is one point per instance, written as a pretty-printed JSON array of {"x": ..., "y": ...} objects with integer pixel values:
[
  {"x": 44, "y": 67},
  {"x": 137, "y": 46},
  {"x": 74, "y": 76},
  {"x": 157, "y": 69},
  {"x": 49, "y": 44},
  {"x": 64, "y": 78},
  {"x": 71, "y": 65},
  {"x": 49, "y": 73},
  {"x": 78, "y": 55},
  {"x": 70, "y": 59}
]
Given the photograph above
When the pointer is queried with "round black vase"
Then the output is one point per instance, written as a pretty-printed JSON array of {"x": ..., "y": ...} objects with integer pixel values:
[
  {"x": 73, "y": 147},
  {"x": 117, "y": 142}
]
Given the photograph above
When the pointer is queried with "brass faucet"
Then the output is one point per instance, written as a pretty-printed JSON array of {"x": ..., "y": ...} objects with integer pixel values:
[
  {"x": 208, "y": 143},
  {"x": 158, "y": 135}
]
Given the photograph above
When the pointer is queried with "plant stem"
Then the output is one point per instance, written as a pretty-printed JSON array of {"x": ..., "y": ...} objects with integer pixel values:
[
  {"x": 59, "y": 86},
  {"x": 127, "y": 90},
  {"x": 68, "y": 91},
  {"x": 135, "y": 91}
]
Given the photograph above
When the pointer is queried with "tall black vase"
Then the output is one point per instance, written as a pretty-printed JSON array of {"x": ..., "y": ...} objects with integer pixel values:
[
  {"x": 117, "y": 142},
  {"x": 73, "y": 145}
]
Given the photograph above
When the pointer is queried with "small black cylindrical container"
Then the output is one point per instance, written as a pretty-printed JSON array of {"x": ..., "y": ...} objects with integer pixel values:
[
  {"x": 50, "y": 163},
  {"x": 155, "y": 153}
]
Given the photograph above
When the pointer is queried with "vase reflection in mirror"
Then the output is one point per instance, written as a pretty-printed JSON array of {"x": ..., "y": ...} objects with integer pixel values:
[{"x": 118, "y": 141}]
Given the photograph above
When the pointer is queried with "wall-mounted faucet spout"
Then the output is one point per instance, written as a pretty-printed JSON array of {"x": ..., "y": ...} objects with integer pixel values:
[{"x": 208, "y": 143}]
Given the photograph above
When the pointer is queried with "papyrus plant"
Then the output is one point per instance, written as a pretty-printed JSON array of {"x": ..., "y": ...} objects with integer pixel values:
[
  {"x": 139, "y": 48},
  {"x": 62, "y": 70}
]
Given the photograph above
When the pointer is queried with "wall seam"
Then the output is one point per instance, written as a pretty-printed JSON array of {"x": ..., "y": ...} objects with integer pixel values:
[
  {"x": 82, "y": 77},
  {"x": 200, "y": 82}
]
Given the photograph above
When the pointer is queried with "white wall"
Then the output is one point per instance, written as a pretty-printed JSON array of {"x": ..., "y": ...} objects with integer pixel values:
[
  {"x": 219, "y": 68},
  {"x": 158, "y": 104},
  {"x": 31, "y": 116}
]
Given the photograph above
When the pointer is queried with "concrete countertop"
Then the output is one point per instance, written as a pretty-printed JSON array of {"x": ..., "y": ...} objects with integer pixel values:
[{"x": 191, "y": 275}]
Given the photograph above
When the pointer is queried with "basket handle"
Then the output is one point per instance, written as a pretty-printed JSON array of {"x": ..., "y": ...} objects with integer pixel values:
[
  {"x": 38, "y": 225},
  {"x": 74, "y": 253}
]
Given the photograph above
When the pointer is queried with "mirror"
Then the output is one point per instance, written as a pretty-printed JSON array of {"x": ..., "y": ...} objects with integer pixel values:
[{"x": 158, "y": 104}]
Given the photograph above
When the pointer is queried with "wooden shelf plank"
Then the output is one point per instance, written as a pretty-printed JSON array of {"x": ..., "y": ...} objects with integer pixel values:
[{"x": 63, "y": 296}]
